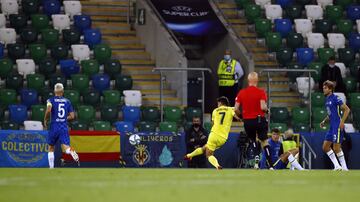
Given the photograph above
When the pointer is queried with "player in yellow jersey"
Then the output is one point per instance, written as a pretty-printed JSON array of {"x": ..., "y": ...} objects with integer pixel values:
[{"x": 222, "y": 118}]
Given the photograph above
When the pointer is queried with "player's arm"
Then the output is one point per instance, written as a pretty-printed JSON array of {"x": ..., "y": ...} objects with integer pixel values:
[
  {"x": 346, "y": 111},
  {"x": 71, "y": 116},
  {"x": 263, "y": 105},
  {"x": 237, "y": 110},
  {"x": 322, "y": 123},
  {"x": 47, "y": 113}
]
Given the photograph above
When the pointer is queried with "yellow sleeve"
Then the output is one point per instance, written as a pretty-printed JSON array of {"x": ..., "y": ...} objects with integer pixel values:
[
  {"x": 48, "y": 104},
  {"x": 213, "y": 116}
]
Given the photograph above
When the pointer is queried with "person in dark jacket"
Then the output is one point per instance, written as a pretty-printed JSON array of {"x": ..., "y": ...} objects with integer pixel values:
[
  {"x": 196, "y": 137},
  {"x": 332, "y": 73}
]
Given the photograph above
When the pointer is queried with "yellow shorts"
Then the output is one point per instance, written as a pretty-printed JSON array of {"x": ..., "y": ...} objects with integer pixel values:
[{"x": 215, "y": 142}]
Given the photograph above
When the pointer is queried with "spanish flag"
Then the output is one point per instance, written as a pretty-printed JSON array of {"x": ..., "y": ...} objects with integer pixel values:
[{"x": 93, "y": 146}]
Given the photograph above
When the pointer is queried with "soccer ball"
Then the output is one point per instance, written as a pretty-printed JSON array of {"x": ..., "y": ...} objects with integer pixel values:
[{"x": 134, "y": 139}]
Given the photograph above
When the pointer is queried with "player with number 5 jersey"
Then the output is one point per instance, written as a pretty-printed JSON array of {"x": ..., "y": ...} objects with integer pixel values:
[{"x": 60, "y": 111}]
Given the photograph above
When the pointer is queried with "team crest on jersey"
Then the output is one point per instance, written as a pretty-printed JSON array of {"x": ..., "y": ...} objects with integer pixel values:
[{"x": 141, "y": 155}]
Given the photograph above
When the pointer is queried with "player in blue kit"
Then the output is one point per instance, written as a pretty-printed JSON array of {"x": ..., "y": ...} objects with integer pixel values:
[
  {"x": 335, "y": 134},
  {"x": 60, "y": 111}
]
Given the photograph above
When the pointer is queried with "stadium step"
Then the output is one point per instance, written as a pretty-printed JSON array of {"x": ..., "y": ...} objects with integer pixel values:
[
  {"x": 105, "y": 18},
  {"x": 138, "y": 69},
  {"x": 130, "y": 55},
  {"x": 156, "y": 101},
  {"x": 148, "y": 85},
  {"x": 111, "y": 25},
  {"x": 156, "y": 92},
  {"x": 121, "y": 40},
  {"x": 146, "y": 77},
  {"x": 134, "y": 62},
  {"x": 227, "y": 6},
  {"x": 131, "y": 47}
]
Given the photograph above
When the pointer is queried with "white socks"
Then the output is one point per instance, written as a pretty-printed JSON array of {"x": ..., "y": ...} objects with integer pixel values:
[
  {"x": 51, "y": 159},
  {"x": 68, "y": 151},
  {"x": 341, "y": 158},
  {"x": 332, "y": 157},
  {"x": 294, "y": 163}
]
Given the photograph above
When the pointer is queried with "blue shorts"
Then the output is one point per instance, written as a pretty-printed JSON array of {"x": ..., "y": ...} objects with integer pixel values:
[
  {"x": 58, "y": 133},
  {"x": 335, "y": 135},
  {"x": 280, "y": 165}
]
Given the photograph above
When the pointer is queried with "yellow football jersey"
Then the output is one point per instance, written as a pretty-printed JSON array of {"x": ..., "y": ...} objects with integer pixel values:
[{"x": 222, "y": 118}]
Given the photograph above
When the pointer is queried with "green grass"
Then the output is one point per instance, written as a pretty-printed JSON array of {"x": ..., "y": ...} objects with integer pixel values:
[{"x": 185, "y": 185}]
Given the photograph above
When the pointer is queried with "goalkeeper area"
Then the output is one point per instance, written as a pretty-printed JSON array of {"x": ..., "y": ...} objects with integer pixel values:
[{"x": 67, "y": 184}]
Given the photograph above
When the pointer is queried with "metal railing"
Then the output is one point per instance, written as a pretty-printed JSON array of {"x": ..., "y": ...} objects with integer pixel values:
[
  {"x": 165, "y": 69},
  {"x": 307, "y": 159}
]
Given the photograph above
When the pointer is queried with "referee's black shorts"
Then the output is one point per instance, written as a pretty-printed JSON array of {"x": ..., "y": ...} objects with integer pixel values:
[{"x": 257, "y": 126}]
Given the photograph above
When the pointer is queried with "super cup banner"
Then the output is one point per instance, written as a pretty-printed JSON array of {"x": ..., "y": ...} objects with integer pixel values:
[
  {"x": 23, "y": 148},
  {"x": 191, "y": 17},
  {"x": 153, "y": 149}
]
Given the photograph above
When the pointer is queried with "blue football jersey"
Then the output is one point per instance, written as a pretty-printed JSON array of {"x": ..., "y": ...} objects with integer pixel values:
[
  {"x": 333, "y": 104},
  {"x": 274, "y": 150},
  {"x": 61, "y": 107}
]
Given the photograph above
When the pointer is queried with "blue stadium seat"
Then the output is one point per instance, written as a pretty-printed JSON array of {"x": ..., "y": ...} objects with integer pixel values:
[
  {"x": 131, "y": 114},
  {"x": 285, "y": 3},
  {"x": 304, "y": 55},
  {"x": 29, "y": 97},
  {"x": 354, "y": 41},
  {"x": 101, "y": 82},
  {"x": 82, "y": 22},
  {"x": 51, "y": 7},
  {"x": 353, "y": 12},
  {"x": 124, "y": 126},
  {"x": 92, "y": 37},
  {"x": 1, "y": 51},
  {"x": 69, "y": 67},
  {"x": 17, "y": 113},
  {"x": 283, "y": 26}
]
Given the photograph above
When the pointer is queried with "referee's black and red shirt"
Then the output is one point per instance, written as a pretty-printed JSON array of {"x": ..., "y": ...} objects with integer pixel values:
[{"x": 249, "y": 98}]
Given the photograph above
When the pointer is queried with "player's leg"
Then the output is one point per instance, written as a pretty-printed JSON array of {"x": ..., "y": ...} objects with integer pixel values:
[
  {"x": 250, "y": 131},
  {"x": 196, "y": 152},
  {"x": 262, "y": 129},
  {"x": 51, "y": 140},
  {"x": 327, "y": 149},
  {"x": 292, "y": 159},
  {"x": 211, "y": 158},
  {"x": 65, "y": 144},
  {"x": 340, "y": 155}
]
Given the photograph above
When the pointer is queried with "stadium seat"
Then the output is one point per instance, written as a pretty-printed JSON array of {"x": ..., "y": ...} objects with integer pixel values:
[
  {"x": 354, "y": 68},
  {"x": 112, "y": 68},
  {"x": 92, "y": 37},
  {"x": 79, "y": 125},
  {"x": 85, "y": 113},
  {"x": 316, "y": 66},
  {"x": 72, "y": 8},
  {"x": 25, "y": 66},
  {"x": 315, "y": 41},
  {"x": 354, "y": 41},
  {"x": 351, "y": 84},
  {"x": 341, "y": 96},
  {"x": 80, "y": 82},
  {"x": 353, "y": 12},
  {"x": 111, "y": 97},
  {"x": 60, "y": 22},
  {"x": 91, "y": 97},
  {"x": 294, "y": 41},
  {"x": 14, "y": 81},
  {"x": 80, "y": 52},
  {"x": 51, "y": 7},
  {"x": 172, "y": 114},
  {"x": 317, "y": 99},
  {"x": 123, "y": 82},
  {"x": 102, "y": 125},
  {"x": 73, "y": 96},
  {"x": 281, "y": 126},
  {"x": 45, "y": 94},
  {"x": 318, "y": 114},
  {"x": 50, "y": 37},
  {"x": 146, "y": 126},
  {"x": 346, "y": 55},
  {"x": 273, "y": 11},
  {"x": 303, "y": 85},
  {"x": 342, "y": 68},
  {"x": 28, "y": 97},
  {"x": 303, "y": 26},
  {"x": 319, "y": 129},
  {"x": 323, "y": 26},
  {"x": 191, "y": 112},
  {"x": 208, "y": 126},
  {"x": 16, "y": 51},
  {"x": 279, "y": 114},
  {"x": 284, "y": 56},
  {"x": 35, "y": 81},
  {"x": 47, "y": 66},
  {"x": 82, "y": 22},
  {"x": 343, "y": 3},
  {"x": 9, "y": 7},
  {"x": 7, "y": 97},
  {"x": 333, "y": 13},
  {"x": 349, "y": 128},
  {"x": 29, "y": 35},
  {"x": 149, "y": 113},
  {"x": 124, "y": 127},
  {"x": 33, "y": 125},
  {"x": 132, "y": 98},
  {"x": 262, "y": 3},
  {"x": 7, "y": 36},
  {"x": 252, "y": 12},
  {"x": 6, "y": 67},
  {"x": 59, "y": 52},
  {"x": 71, "y": 36},
  {"x": 168, "y": 127},
  {"x": 7, "y": 125},
  {"x": 293, "y": 12},
  {"x": 314, "y": 12},
  {"x": 90, "y": 67},
  {"x": 354, "y": 100},
  {"x": 356, "y": 117},
  {"x": 109, "y": 113},
  {"x": 304, "y": 56},
  {"x": 285, "y": 3},
  {"x": 273, "y": 41},
  {"x": 344, "y": 26},
  {"x": 69, "y": 67},
  {"x": 262, "y": 26},
  {"x": 2, "y": 21},
  {"x": 293, "y": 75},
  {"x": 324, "y": 3},
  {"x": 30, "y": 7},
  {"x": 57, "y": 78},
  {"x": 102, "y": 53},
  {"x": 17, "y": 113},
  {"x": 242, "y": 3},
  {"x": 131, "y": 114},
  {"x": 283, "y": 26},
  {"x": 38, "y": 112},
  {"x": 101, "y": 82},
  {"x": 336, "y": 41},
  {"x": 300, "y": 127},
  {"x": 37, "y": 52},
  {"x": 324, "y": 54},
  {"x": 39, "y": 22},
  {"x": 18, "y": 21},
  {"x": 300, "y": 115}
]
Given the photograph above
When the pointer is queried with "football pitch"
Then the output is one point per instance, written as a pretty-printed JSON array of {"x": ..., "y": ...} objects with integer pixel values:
[{"x": 186, "y": 185}]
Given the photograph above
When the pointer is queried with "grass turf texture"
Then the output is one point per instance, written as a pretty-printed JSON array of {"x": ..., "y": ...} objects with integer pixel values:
[{"x": 186, "y": 185}]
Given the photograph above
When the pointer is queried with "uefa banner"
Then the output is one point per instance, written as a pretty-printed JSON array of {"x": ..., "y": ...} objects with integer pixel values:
[
  {"x": 20, "y": 148},
  {"x": 155, "y": 150},
  {"x": 190, "y": 17}
]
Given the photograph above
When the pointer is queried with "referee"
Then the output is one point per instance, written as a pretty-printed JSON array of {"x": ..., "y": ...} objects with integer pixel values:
[{"x": 253, "y": 103}]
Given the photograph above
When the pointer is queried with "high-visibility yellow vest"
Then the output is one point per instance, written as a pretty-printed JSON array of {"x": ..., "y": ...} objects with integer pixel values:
[
  {"x": 288, "y": 145},
  {"x": 225, "y": 74}
]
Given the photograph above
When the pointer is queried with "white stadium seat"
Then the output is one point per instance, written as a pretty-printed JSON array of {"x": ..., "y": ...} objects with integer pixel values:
[
  {"x": 342, "y": 68},
  {"x": 61, "y": 21},
  {"x": 9, "y": 7},
  {"x": 303, "y": 85},
  {"x": 315, "y": 40},
  {"x": 303, "y": 26},
  {"x": 262, "y": 3},
  {"x": 341, "y": 96},
  {"x": 33, "y": 125},
  {"x": 80, "y": 52},
  {"x": 349, "y": 128},
  {"x": 132, "y": 98},
  {"x": 314, "y": 12},
  {"x": 273, "y": 12},
  {"x": 336, "y": 40},
  {"x": 7, "y": 35},
  {"x": 72, "y": 8},
  {"x": 25, "y": 66},
  {"x": 2, "y": 20},
  {"x": 324, "y": 3}
]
